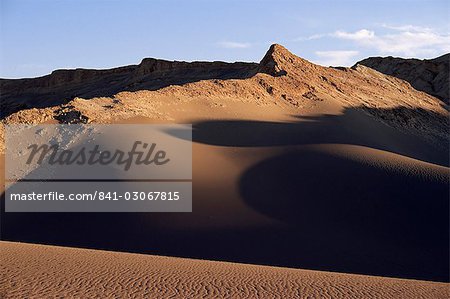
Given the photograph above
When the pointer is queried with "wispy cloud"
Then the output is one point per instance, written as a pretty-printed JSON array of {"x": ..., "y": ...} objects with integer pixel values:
[
  {"x": 360, "y": 35},
  {"x": 233, "y": 45},
  {"x": 311, "y": 37},
  {"x": 335, "y": 58},
  {"x": 405, "y": 40},
  {"x": 407, "y": 28}
]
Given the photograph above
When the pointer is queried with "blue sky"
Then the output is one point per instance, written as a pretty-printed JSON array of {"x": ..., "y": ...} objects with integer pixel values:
[{"x": 37, "y": 37}]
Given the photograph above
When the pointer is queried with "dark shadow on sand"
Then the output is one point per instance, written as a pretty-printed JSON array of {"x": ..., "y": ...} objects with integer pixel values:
[
  {"x": 352, "y": 217},
  {"x": 338, "y": 215},
  {"x": 354, "y": 126}
]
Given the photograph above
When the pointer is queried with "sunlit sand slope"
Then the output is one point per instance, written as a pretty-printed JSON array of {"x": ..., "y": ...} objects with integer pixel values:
[{"x": 81, "y": 273}]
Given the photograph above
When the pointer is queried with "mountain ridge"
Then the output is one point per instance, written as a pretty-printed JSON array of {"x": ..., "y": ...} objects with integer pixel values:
[
  {"x": 428, "y": 75},
  {"x": 281, "y": 79}
]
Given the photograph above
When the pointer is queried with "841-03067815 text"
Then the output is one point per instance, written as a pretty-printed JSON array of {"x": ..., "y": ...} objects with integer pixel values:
[
  {"x": 100, "y": 195},
  {"x": 99, "y": 168}
]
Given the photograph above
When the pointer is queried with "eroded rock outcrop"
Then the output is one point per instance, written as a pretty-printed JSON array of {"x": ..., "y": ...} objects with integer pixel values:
[
  {"x": 429, "y": 75},
  {"x": 154, "y": 87}
]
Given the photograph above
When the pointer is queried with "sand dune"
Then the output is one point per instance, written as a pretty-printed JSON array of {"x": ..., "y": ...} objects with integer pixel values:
[
  {"x": 294, "y": 164},
  {"x": 306, "y": 191},
  {"x": 37, "y": 271}
]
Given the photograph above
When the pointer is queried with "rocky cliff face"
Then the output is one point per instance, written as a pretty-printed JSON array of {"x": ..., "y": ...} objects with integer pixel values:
[
  {"x": 428, "y": 75},
  {"x": 151, "y": 74},
  {"x": 281, "y": 79}
]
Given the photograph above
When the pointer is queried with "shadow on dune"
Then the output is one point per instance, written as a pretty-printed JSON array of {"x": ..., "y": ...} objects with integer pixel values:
[
  {"x": 338, "y": 214},
  {"x": 352, "y": 127},
  {"x": 345, "y": 215},
  {"x": 351, "y": 217}
]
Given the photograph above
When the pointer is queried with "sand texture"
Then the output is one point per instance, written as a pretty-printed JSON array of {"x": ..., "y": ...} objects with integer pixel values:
[
  {"x": 294, "y": 165},
  {"x": 37, "y": 271}
]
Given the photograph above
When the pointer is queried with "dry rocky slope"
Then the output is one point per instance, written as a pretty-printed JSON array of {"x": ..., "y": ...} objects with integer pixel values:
[
  {"x": 281, "y": 78},
  {"x": 428, "y": 75},
  {"x": 151, "y": 74}
]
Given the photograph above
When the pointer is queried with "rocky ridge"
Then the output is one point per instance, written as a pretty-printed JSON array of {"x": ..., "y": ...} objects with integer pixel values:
[
  {"x": 428, "y": 75},
  {"x": 281, "y": 78}
]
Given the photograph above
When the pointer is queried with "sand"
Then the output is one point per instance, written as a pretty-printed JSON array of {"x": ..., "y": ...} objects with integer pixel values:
[
  {"x": 323, "y": 169},
  {"x": 38, "y": 271}
]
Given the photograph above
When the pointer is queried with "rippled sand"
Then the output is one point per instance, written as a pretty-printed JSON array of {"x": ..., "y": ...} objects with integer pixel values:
[{"x": 38, "y": 271}]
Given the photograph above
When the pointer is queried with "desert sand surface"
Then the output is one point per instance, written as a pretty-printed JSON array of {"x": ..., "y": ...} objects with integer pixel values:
[
  {"x": 38, "y": 271},
  {"x": 294, "y": 165}
]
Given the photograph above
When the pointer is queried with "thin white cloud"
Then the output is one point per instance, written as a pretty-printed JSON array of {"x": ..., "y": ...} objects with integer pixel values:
[
  {"x": 335, "y": 58},
  {"x": 406, "y": 40},
  {"x": 362, "y": 35},
  {"x": 403, "y": 40},
  {"x": 311, "y": 37},
  {"x": 233, "y": 45},
  {"x": 407, "y": 28}
]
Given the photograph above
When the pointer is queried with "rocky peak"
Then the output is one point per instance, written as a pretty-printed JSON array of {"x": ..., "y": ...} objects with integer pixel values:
[{"x": 278, "y": 61}]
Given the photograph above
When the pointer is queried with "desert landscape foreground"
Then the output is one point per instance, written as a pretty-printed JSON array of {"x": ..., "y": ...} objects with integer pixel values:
[
  {"x": 294, "y": 165},
  {"x": 80, "y": 273}
]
